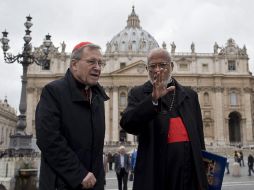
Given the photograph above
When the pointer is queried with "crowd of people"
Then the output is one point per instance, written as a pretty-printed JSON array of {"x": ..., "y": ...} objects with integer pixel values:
[
  {"x": 238, "y": 162},
  {"x": 123, "y": 163}
]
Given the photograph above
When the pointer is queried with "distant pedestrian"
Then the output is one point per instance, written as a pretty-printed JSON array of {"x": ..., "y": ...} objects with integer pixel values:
[
  {"x": 241, "y": 158},
  {"x": 133, "y": 159},
  {"x": 250, "y": 164},
  {"x": 105, "y": 166},
  {"x": 122, "y": 167},
  {"x": 110, "y": 160},
  {"x": 227, "y": 164}
]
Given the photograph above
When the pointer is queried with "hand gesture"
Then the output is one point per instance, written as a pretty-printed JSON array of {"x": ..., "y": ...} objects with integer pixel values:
[
  {"x": 89, "y": 181},
  {"x": 159, "y": 86}
]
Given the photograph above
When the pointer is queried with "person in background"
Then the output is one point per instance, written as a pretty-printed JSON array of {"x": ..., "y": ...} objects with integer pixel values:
[
  {"x": 105, "y": 166},
  {"x": 70, "y": 124},
  {"x": 110, "y": 160},
  {"x": 122, "y": 167},
  {"x": 133, "y": 159},
  {"x": 227, "y": 164},
  {"x": 133, "y": 163},
  {"x": 250, "y": 164},
  {"x": 241, "y": 158},
  {"x": 166, "y": 117}
]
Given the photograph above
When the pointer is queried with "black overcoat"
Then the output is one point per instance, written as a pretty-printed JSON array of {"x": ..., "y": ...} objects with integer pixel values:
[
  {"x": 70, "y": 134},
  {"x": 141, "y": 118}
]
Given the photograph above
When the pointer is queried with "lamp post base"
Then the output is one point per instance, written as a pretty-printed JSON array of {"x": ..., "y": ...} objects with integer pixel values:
[{"x": 20, "y": 145}]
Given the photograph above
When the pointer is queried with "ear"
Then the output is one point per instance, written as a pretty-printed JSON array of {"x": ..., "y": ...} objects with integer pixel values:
[{"x": 74, "y": 64}]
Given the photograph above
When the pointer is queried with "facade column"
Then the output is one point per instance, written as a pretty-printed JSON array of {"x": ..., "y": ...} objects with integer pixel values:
[
  {"x": 247, "y": 128},
  {"x": 218, "y": 117},
  {"x": 107, "y": 117},
  {"x": 115, "y": 120},
  {"x": 130, "y": 138},
  {"x": 29, "y": 111}
]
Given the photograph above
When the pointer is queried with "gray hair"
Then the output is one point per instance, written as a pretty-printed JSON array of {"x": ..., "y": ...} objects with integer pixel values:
[
  {"x": 163, "y": 53},
  {"x": 77, "y": 53}
]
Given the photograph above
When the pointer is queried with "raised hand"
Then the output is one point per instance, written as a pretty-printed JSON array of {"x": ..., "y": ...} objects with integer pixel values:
[{"x": 160, "y": 86}]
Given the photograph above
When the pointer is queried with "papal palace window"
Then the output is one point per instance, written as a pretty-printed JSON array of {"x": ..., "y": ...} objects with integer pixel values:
[
  {"x": 205, "y": 67},
  {"x": 183, "y": 67},
  {"x": 123, "y": 100},
  {"x": 46, "y": 65},
  {"x": 233, "y": 99},
  {"x": 122, "y": 65},
  {"x": 231, "y": 65}
]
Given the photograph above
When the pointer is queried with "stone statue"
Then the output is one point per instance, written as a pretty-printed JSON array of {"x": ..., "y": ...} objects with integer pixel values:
[
  {"x": 142, "y": 44},
  {"x": 108, "y": 47},
  {"x": 173, "y": 47},
  {"x": 116, "y": 46},
  {"x": 63, "y": 45},
  {"x": 244, "y": 50},
  {"x": 130, "y": 46},
  {"x": 164, "y": 45},
  {"x": 192, "y": 47},
  {"x": 215, "y": 48}
]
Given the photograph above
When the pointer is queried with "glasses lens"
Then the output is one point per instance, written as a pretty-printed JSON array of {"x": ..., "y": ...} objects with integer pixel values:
[{"x": 162, "y": 65}]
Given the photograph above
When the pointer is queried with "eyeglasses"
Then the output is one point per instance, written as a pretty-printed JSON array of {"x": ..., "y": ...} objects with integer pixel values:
[
  {"x": 93, "y": 62},
  {"x": 162, "y": 65}
]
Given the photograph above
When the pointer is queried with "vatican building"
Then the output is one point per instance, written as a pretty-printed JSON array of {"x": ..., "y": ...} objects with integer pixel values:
[{"x": 221, "y": 78}]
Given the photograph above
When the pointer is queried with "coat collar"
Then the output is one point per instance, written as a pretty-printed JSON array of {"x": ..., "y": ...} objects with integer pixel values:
[
  {"x": 76, "y": 94},
  {"x": 180, "y": 91}
]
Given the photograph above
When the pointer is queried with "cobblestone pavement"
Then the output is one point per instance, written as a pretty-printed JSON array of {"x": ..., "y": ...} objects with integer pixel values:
[{"x": 244, "y": 182}]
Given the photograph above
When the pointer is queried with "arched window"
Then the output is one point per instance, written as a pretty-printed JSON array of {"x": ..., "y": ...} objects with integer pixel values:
[{"x": 123, "y": 101}]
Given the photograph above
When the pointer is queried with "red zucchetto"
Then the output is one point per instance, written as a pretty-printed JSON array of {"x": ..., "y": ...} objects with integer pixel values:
[{"x": 81, "y": 44}]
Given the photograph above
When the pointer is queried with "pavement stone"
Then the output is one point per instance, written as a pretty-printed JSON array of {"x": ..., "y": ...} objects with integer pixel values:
[{"x": 244, "y": 182}]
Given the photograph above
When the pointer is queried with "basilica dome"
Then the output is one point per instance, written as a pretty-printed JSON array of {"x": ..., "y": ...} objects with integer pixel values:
[{"x": 132, "y": 38}]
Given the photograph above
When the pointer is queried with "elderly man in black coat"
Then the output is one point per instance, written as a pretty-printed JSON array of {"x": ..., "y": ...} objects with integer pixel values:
[
  {"x": 167, "y": 119},
  {"x": 70, "y": 125}
]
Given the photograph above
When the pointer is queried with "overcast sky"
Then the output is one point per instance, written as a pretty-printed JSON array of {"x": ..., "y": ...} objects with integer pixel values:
[{"x": 182, "y": 21}]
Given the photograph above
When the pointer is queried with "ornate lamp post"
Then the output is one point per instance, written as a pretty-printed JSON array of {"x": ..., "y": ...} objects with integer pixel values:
[{"x": 20, "y": 142}]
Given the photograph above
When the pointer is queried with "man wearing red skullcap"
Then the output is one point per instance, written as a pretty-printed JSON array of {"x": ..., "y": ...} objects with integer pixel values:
[{"x": 70, "y": 125}]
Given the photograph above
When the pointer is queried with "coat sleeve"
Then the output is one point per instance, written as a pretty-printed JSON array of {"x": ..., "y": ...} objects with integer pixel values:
[
  {"x": 53, "y": 145},
  {"x": 139, "y": 112},
  {"x": 200, "y": 123}
]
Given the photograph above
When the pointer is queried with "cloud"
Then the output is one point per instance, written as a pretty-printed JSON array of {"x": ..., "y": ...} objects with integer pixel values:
[{"x": 181, "y": 21}]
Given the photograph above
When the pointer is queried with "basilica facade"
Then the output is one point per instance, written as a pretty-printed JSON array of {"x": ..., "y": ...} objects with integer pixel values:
[
  {"x": 221, "y": 78},
  {"x": 8, "y": 122}
]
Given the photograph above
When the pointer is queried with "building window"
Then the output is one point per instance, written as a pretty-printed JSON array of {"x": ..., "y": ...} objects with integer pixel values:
[
  {"x": 123, "y": 99},
  {"x": 205, "y": 67},
  {"x": 46, "y": 65},
  {"x": 183, "y": 67},
  {"x": 207, "y": 125},
  {"x": 122, "y": 65},
  {"x": 206, "y": 98},
  {"x": 233, "y": 99},
  {"x": 231, "y": 65}
]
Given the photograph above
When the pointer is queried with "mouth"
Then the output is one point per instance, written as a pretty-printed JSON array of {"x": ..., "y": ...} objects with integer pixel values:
[{"x": 94, "y": 75}]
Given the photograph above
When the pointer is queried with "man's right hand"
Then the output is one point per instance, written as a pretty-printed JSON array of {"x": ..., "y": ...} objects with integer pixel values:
[
  {"x": 89, "y": 181},
  {"x": 159, "y": 87}
]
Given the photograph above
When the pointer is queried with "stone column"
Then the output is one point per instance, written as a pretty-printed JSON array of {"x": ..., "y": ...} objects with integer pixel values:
[
  {"x": 130, "y": 138},
  {"x": 107, "y": 117},
  {"x": 115, "y": 128},
  {"x": 247, "y": 128},
  {"x": 219, "y": 115}
]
